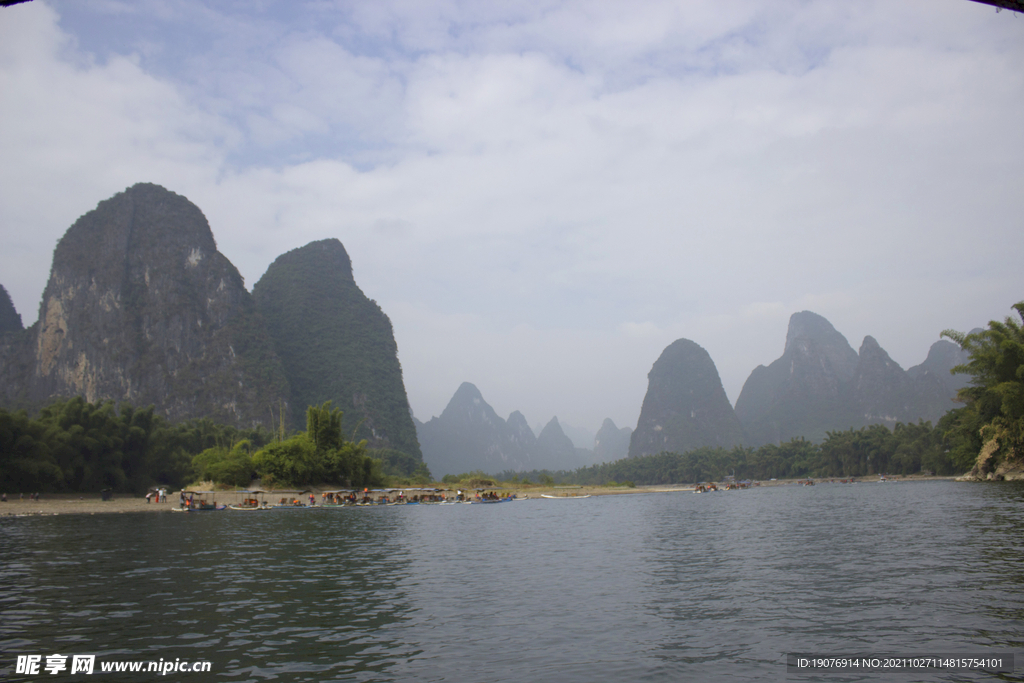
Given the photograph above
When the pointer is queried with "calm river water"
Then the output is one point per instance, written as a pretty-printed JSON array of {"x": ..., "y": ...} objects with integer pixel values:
[{"x": 656, "y": 587}]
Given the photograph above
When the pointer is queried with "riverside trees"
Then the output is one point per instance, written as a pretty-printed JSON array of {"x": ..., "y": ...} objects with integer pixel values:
[
  {"x": 989, "y": 429},
  {"x": 75, "y": 446},
  {"x": 906, "y": 449},
  {"x": 318, "y": 455}
]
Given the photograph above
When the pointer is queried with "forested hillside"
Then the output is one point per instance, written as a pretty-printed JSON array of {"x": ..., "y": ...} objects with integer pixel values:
[{"x": 336, "y": 345}]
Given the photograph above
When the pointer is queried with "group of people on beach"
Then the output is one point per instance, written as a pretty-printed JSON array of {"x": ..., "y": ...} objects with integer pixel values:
[
  {"x": 158, "y": 496},
  {"x": 21, "y": 496}
]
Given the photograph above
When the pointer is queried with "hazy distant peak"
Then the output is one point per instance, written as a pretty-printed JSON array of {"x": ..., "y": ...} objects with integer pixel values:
[
  {"x": 468, "y": 404},
  {"x": 466, "y": 392},
  {"x": 809, "y": 326},
  {"x": 553, "y": 426},
  {"x": 813, "y": 338},
  {"x": 517, "y": 422},
  {"x": 553, "y": 444},
  {"x": 869, "y": 344},
  {"x": 944, "y": 353}
]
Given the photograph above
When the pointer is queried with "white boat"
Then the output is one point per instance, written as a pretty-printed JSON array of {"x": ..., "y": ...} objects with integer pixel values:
[{"x": 565, "y": 497}]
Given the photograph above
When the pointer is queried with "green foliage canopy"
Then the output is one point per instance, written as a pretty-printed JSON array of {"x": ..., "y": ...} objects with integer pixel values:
[
  {"x": 907, "y": 449},
  {"x": 992, "y": 418},
  {"x": 320, "y": 455}
]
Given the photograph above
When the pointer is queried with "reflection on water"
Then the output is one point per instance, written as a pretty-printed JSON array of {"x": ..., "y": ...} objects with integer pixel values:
[{"x": 648, "y": 587}]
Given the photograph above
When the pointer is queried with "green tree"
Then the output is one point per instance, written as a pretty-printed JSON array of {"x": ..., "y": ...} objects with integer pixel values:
[
  {"x": 994, "y": 399},
  {"x": 221, "y": 466},
  {"x": 321, "y": 454}
]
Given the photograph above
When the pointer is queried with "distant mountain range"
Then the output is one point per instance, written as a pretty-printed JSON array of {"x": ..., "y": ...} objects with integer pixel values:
[
  {"x": 469, "y": 435},
  {"x": 142, "y": 307},
  {"x": 819, "y": 384}
]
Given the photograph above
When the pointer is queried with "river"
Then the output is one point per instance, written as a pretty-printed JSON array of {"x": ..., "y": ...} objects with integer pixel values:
[{"x": 646, "y": 587}]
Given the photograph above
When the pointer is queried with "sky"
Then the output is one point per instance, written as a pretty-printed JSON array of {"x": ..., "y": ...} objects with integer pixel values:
[{"x": 544, "y": 195}]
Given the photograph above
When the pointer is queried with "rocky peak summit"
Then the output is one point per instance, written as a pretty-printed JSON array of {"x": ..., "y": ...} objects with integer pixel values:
[
  {"x": 140, "y": 306},
  {"x": 336, "y": 344},
  {"x": 685, "y": 406}
]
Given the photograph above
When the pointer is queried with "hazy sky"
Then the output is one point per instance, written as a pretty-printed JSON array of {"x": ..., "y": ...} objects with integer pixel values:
[{"x": 543, "y": 195}]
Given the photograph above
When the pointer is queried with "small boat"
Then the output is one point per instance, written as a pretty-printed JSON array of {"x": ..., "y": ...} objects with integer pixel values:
[
  {"x": 199, "y": 501},
  {"x": 484, "y": 496},
  {"x": 291, "y": 501},
  {"x": 567, "y": 496},
  {"x": 250, "y": 501},
  {"x": 337, "y": 499}
]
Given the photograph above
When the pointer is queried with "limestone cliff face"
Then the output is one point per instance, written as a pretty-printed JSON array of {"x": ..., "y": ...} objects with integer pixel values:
[
  {"x": 140, "y": 306},
  {"x": 685, "y": 406},
  {"x": 336, "y": 345}
]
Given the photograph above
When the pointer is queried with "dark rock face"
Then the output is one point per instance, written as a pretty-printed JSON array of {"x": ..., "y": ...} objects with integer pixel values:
[
  {"x": 469, "y": 436},
  {"x": 685, "y": 407},
  {"x": 820, "y": 384},
  {"x": 16, "y": 355},
  {"x": 10, "y": 319},
  {"x": 140, "y": 306},
  {"x": 610, "y": 442},
  {"x": 336, "y": 345}
]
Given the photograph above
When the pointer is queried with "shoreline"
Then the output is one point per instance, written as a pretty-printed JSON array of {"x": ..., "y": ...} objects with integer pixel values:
[{"x": 92, "y": 504}]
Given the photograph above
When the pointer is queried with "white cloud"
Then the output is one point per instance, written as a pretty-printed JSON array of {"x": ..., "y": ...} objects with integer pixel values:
[{"x": 543, "y": 196}]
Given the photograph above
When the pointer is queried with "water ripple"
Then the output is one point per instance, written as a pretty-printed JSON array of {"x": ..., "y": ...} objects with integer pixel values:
[{"x": 653, "y": 587}]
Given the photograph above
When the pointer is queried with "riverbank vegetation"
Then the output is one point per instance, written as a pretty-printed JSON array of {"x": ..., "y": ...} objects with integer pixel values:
[
  {"x": 988, "y": 432},
  {"x": 73, "y": 446},
  {"x": 907, "y": 449}
]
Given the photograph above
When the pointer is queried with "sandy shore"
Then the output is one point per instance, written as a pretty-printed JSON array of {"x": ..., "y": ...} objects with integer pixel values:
[
  {"x": 84, "y": 504},
  {"x": 91, "y": 504}
]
